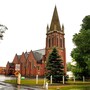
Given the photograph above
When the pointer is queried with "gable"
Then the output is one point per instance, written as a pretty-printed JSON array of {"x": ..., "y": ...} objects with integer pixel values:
[
  {"x": 22, "y": 58},
  {"x": 16, "y": 59}
]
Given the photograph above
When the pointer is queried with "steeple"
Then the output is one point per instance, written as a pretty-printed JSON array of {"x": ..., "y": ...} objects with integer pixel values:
[
  {"x": 55, "y": 38},
  {"x": 55, "y": 24}
]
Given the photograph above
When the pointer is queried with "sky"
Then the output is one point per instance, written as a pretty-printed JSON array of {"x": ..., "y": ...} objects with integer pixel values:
[{"x": 27, "y": 20}]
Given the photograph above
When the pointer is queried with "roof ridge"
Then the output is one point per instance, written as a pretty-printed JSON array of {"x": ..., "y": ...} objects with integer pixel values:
[{"x": 39, "y": 49}]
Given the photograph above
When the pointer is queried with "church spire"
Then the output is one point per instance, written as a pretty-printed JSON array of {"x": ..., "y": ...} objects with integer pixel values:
[{"x": 55, "y": 24}]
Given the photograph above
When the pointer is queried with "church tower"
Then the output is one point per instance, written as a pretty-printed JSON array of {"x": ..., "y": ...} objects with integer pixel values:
[{"x": 55, "y": 38}]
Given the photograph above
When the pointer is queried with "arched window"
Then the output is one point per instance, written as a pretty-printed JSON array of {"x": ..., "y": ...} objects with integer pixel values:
[
  {"x": 49, "y": 43},
  {"x": 32, "y": 64},
  {"x": 53, "y": 41},
  {"x": 57, "y": 42},
  {"x": 61, "y": 42}
]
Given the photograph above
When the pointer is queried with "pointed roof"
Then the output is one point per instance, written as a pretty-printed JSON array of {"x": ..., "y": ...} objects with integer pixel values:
[
  {"x": 38, "y": 54},
  {"x": 55, "y": 24},
  {"x": 26, "y": 54}
]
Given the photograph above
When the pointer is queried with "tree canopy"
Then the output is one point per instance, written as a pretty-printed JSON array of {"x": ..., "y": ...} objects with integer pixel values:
[
  {"x": 3, "y": 28},
  {"x": 81, "y": 53},
  {"x": 69, "y": 66}
]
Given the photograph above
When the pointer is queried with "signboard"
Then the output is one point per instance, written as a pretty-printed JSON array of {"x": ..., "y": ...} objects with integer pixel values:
[
  {"x": 16, "y": 73},
  {"x": 17, "y": 67}
]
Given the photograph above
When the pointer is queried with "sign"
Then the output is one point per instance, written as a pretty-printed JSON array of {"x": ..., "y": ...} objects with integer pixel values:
[
  {"x": 16, "y": 73},
  {"x": 17, "y": 67}
]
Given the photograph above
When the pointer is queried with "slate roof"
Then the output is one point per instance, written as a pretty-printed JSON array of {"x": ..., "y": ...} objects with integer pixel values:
[
  {"x": 55, "y": 21},
  {"x": 18, "y": 56},
  {"x": 26, "y": 54},
  {"x": 11, "y": 64},
  {"x": 38, "y": 54},
  {"x": 41, "y": 51}
]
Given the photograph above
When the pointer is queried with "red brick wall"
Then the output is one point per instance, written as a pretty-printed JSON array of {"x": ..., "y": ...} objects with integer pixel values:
[
  {"x": 2, "y": 70},
  {"x": 33, "y": 68},
  {"x": 7, "y": 68},
  {"x": 23, "y": 64},
  {"x": 15, "y": 60},
  {"x": 56, "y": 43},
  {"x": 33, "y": 64}
]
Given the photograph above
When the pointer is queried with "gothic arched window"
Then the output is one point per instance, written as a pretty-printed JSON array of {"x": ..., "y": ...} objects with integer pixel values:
[
  {"x": 53, "y": 41},
  {"x": 57, "y": 42},
  {"x": 61, "y": 42},
  {"x": 49, "y": 42}
]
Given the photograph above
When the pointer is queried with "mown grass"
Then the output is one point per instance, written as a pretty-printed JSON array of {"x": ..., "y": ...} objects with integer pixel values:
[
  {"x": 30, "y": 82},
  {"x": 55, "y": 86},
  {"x": 70, "y": 87}
]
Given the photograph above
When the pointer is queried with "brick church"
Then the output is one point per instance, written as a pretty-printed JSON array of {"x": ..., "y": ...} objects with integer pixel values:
[{"x": 33, "y": 63}]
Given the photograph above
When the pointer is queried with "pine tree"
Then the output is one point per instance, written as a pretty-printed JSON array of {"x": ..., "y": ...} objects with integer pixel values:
[{"x": 54, "y": 67}]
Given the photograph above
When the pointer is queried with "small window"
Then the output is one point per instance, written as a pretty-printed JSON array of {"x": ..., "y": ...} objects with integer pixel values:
[
  {"x": 57, "y": 42},
  {"x": 61, "y": 42},
  {"x": 38, "y": 67},
  {"x": 32, "y": 64},
  {"x": 49, "y": 42},
  {"x": 52, "y": 41}
]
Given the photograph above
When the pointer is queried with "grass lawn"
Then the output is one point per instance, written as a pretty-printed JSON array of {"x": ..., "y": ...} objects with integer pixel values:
[{"x": 55, "y": 86}]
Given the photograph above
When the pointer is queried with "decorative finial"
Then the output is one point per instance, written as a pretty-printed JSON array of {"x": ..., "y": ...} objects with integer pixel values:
[
  {"x": 47, "y": 28},
  {"x": 63, "y": 27}
]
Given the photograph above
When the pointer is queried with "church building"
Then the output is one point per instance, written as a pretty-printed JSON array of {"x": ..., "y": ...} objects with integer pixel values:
[{"x": 33, "y": 63}]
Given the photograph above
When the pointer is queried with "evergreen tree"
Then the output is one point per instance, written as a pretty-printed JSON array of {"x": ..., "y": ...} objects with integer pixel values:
[{"x": 54, "y": 67}]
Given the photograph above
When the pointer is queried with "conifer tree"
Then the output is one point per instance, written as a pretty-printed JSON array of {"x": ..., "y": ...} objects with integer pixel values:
[{"x": 54, "y": 67}]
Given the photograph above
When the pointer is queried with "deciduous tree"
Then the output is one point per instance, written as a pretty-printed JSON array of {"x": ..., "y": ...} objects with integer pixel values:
[
  {"x": 81, "y": 53},
  {"x": 3, "y": 28}
]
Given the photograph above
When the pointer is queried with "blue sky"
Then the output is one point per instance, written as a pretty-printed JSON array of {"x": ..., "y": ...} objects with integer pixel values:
[{"x": 27, "y": 20}]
